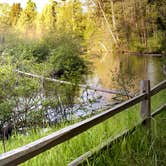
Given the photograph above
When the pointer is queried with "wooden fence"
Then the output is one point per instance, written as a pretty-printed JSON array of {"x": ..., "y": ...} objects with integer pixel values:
[
  {"x": 28, "y": 151},
  {"x": 117, "y": 92}
]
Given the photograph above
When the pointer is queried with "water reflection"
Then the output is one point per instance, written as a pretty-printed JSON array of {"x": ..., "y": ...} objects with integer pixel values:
[{"x": 107, "y": 70}]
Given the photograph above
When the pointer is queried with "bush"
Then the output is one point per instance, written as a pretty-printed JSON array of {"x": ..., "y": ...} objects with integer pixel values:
[
  {"x": 66, "y": 58},
  {"x": 40, "y": 51},
  {"x": 155, "y": 42},
  {"x": 26, "y": 101}
]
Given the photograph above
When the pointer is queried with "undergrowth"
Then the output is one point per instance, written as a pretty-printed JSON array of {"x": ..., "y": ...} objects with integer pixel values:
[
  {"x": 66, "y": 152},
  {"x": 137, "y": 149}
]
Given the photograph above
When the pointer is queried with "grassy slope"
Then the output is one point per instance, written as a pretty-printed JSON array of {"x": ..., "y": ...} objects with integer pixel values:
[
  {"x": 66, "y": 152},
  {"x": 136, "y": 150}
]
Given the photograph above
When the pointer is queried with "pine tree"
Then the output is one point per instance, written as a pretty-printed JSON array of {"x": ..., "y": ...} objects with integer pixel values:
[
  {"x": 49, "y": 16},
  {"x": 4, "y": 16},
  {"x": 15, "y": 13},
  {"x": 28, "y": 16}
]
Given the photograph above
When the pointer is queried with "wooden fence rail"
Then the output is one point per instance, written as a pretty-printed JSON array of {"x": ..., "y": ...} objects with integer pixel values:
[
  {"x": 156, "y": 89},
  {"x": 28, "y": 151},
  {"x": 117, "y": 92},
  {"x": 110, "y": 141}
]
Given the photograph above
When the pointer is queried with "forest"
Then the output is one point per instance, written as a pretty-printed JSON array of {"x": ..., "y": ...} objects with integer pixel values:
[{"x": 66, "y": 41}]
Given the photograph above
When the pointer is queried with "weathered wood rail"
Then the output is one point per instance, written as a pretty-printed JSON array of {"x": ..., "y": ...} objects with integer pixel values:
[
  {"x": 28, "y": 151},
  {"x": 117, "y": 92},
  {"x": 110, "y": 141}
]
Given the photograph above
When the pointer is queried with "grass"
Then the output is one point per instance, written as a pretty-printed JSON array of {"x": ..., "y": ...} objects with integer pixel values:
[
  {"x": 136, "y": 149},
  {"x": 158, "y": 100},
  {"x": 68, "y": 151}
]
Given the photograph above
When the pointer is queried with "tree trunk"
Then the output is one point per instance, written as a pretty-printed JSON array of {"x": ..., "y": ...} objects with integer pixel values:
[{"x": 108, "y": 25}]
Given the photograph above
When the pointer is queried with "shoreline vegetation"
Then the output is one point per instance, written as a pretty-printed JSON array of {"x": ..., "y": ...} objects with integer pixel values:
[
  {"x": 88, "y": 140},
  {"x": 59, "y": 43},
  {"x": 136, "y": 26},
  {"x": 133, "y": 148},
  {"x": 151, "y": 54}
]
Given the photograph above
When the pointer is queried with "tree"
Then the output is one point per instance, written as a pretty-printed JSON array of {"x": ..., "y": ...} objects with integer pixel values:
[
  {"x": 49, "y": 16},
  {"x": 4, "y": 16},
  {"x": 70, "y": 17},
  {"x": 77, "y": 17},
  {"x": 15, "y": 13},
  {"x": 28, "y": 16}
]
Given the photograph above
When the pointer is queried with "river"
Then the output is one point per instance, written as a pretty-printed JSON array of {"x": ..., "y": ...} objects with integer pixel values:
[
  {"x": 110, "y": 72},
  {"x": 116, "y": 71}
]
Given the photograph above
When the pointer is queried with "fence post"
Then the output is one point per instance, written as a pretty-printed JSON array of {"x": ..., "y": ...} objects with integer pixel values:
[{"x": 146, "y": 104}]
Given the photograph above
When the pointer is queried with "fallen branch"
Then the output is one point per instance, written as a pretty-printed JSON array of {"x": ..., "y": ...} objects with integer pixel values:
[{"x": 117, "y": 92}]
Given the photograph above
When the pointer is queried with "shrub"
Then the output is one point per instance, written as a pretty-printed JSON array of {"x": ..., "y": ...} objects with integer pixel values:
[{"x": 66, "y": 57}]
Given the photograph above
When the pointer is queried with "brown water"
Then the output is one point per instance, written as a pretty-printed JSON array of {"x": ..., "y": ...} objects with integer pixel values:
[
  {"x": 108, "y": 72},
  {"x": 116, "y": 71}
]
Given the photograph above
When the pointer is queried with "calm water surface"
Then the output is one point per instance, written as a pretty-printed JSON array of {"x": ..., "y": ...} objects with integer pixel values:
[{"x": 110, "y": 70}]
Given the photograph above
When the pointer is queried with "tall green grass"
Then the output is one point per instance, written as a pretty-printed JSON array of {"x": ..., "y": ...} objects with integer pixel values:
[
  {"x": 136, "y": 149},
  {"x": 66, "y": 152},
  {"x": 158, "y": 100}
]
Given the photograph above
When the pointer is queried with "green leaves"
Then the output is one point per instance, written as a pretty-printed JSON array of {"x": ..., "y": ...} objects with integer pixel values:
[
  {"x": 66, "y": 57},
  {"x": 6, "y": 110},
  {"x": 15, "y": 13}
]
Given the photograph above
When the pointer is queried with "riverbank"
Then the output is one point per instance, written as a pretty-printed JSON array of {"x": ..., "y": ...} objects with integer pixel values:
[
  {"x": 151, "y": 54},
  {"x": 135, "y": 149},
  {"x": 84, "y": 142}
]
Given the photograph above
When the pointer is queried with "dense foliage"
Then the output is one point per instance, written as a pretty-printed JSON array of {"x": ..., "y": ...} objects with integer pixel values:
[
  {"x": 53, "y": 43},
  {"x": 102, "y": 24},
  {"x": 32, "y": 42}
]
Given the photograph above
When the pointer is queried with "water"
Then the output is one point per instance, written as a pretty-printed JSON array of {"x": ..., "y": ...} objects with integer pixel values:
[
  {"x": 117, "y": 72},
  {"x": 110, "y": 70}
]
